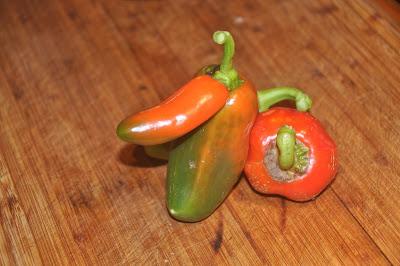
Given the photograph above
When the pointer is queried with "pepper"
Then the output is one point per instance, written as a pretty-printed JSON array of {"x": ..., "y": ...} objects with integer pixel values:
[
  {"x": 205, "y": 165},
  {"x": 161, "y": 151},
  {"x": 183, "y": 111},
  {"x": 290, "y": 155}
]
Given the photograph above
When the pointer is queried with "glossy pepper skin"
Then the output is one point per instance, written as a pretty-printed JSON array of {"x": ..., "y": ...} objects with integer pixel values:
[
  {"x": 161, "y": 151},
  {"x": 182, "y": 112},
  {"x": 322, "y": 149},
  {"x": 204, "y": 167}
]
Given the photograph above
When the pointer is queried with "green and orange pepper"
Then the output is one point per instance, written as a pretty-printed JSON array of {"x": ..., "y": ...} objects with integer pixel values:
[
  {"x": 204, "y": 167},
  {"x": 204, "y": 130},
  {"x": 183, "y": 111}
]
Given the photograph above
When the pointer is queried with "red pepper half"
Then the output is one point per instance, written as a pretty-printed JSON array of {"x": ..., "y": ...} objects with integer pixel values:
[{"x": 262, "y": 167}]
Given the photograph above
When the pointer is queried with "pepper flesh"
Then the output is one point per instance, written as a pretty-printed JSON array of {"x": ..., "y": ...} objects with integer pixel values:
[
  {"x": 322, "y": 153},
  {"x": 203, "y": 169},
  {"x": 182, "y": 112}
]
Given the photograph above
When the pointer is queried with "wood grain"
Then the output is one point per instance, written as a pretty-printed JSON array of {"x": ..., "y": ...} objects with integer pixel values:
[{"x": 72, "y": 193}]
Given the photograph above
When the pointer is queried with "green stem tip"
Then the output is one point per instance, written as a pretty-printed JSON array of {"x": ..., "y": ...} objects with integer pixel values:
[
  {"x": 269, "y": 97},
  {"x": 227, "y": 74}
]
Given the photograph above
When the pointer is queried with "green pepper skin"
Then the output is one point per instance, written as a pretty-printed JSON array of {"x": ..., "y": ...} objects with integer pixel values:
[{"x": 204, "y": 166}]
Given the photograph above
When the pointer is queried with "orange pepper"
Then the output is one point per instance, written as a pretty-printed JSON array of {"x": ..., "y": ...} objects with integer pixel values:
[
  {"x": 183, "y": 111},
  {"x": 204, "y": 166}
]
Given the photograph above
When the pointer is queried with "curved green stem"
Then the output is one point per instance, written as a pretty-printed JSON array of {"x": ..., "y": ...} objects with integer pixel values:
[
  {"x": 286, "y": 141},
  {"x": 269, "y": 97},
  {"x": 227, "y": 74},
  {"x": 292, "y": 156}
]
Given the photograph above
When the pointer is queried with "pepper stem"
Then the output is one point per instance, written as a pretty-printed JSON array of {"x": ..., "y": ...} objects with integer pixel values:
[
  {"x": 227, "y": 74},
  {"x": 286, "y": 141},
  {"x": 269, "y": 97},
  {"x": 292, "y": 156}
]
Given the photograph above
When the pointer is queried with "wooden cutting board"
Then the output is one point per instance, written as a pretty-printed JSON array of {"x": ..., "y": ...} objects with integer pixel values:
[{"x": 72, "y": 193}]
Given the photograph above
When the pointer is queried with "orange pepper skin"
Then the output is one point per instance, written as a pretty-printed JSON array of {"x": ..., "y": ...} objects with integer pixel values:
[
  {"x": 322, "y": 153},
  {"x": 183, "y": 111}
]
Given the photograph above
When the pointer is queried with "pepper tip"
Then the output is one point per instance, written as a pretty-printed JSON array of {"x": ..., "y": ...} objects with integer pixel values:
[
  {"x": 122, "y": 132},
  {"x": 303, "y": 102},
  {"x": 220, "y": 36}
]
